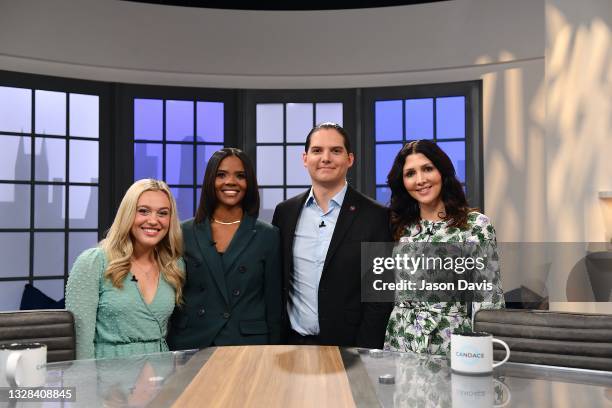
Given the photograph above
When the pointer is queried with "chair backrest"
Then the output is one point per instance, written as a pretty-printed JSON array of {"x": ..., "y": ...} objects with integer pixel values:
[
  {"x": 55, "y": 328},
  {"x": 577, "y": 340}
]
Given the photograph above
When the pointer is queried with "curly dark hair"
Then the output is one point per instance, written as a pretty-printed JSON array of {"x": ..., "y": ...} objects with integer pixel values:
[{"x": 405, "y": 209}]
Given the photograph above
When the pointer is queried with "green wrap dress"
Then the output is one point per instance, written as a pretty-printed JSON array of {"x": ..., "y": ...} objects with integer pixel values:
[{"x": 113, "y": 322}]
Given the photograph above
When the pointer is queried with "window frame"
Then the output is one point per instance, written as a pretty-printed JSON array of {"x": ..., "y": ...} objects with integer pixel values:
[
  {"x": 346, "y": 96},
  {"x": 125, "y": 96},
  {"x": 471, "y": 90},
  {"x": 65, "y": 85}
]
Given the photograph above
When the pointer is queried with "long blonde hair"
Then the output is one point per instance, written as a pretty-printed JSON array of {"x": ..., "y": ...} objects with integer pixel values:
[{"x": 118, "y": 244}]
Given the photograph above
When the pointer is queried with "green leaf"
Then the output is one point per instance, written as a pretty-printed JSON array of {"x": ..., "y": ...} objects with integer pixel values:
[
  {"x": 437, "y": 340},
  {"x": 443, "y": 324}
]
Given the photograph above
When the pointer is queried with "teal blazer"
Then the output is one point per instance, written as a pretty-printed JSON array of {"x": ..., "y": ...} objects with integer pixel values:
[{"x": 229, "y": 299}]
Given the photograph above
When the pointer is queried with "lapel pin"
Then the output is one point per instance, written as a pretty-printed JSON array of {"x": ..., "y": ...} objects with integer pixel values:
[{"x": 352, "y": 208}]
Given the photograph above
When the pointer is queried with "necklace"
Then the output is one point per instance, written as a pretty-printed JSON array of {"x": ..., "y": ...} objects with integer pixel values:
[{"x": 226, "y": 223}]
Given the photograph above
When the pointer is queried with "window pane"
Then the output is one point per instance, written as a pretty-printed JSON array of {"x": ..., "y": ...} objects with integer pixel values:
[
  {"x": 83, "y": 161},
  {"x": 296, "y": 172},
  {"x": 269, "y": 197},
  {"x": 328, "y": 112},
  {"x": 48, "y": 253},
  {"x": 49, "y": 208},
  {"x": 419, "y": 119},
  {"x": 383, "y": 195},
  {"x": 210, "y": 121},
  {"x": 456, "y": 152},
  {"x": 15, "y": 206},
  {"x": 184, "y": 202},
  {"x": 147, "y": 161},
  {"x": 15, "y": 254},
  {"x": 50, "y": 113},
  {"x": 84, "y": 115},
  {"x": 50, "y": 159},
  {"x": 270, "y": 167},
  {"x": 83, "y": 207},
  {"x": 179, "y": 164},
  {"x": 179, "y": 120},
  {"x": 388, "y": 120},
  {"x": 54, "y": 288},
  {"x": 78, "y": 242},
  {"x": 269, "y": 123},
  {"x": 204, "y": 154},
  {"x": 11, "y": 295},
  {"x": 148, "y": 119},
  {"x": 385, "y": 154},
  {"x": 15, "y": 153},
  {"x": 292, "y": 192},
  {"x": 450, "y": 117},
  {"x": 299, "y": 121},
  {"x": 15, "y": 109}
]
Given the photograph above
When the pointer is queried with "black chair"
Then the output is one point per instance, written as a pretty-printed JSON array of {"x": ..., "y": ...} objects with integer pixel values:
[
  {"x": 34, "y": 299},
  {"x": 55, "y": 328},
  {"x": 578, "y": 340}
]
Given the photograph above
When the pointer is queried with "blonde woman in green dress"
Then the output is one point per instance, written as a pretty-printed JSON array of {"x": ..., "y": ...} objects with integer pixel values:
[
  {"x": 428, "y": 205},
  {"x": 123, "y": 291}
]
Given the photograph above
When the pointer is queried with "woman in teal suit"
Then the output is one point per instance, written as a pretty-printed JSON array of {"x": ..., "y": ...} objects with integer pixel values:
[{"x": 232, "y": 293}]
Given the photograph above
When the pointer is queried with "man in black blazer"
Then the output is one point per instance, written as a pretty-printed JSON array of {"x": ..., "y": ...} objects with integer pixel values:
[{"x": 321, "y": 233}]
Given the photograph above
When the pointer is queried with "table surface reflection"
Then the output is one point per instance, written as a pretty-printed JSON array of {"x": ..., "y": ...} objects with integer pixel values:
[
  {"x": 426, "y": 381},
  {"x": 158, "y": 380}
]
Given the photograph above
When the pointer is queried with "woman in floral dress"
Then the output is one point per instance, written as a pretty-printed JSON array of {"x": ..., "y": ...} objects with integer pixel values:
[{"x": 428, "y": 205}]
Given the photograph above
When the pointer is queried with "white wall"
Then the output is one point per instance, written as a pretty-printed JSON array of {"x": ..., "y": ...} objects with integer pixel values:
[
  {"x": 578, "y": 124},
  {"x": 578, "y": 116},
  {"x": 122, "y": 41},
  {"x": 545, "y": 66}
]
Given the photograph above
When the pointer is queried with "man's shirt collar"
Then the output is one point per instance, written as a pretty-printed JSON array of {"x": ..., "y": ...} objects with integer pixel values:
[{"x": 336, "y": 200}]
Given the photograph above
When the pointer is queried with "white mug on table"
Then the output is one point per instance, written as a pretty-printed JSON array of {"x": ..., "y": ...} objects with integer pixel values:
[
  {"x": 23, "y": 365},
  {"x": 472, "y": 353}
]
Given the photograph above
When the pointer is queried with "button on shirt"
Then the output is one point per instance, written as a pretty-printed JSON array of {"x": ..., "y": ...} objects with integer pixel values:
[{"x": 313, "y": 235}]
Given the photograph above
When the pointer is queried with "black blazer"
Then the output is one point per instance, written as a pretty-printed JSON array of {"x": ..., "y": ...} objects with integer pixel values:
[
  {"x": 234, "y": 298},
  {"x": 343, "y": 319}
]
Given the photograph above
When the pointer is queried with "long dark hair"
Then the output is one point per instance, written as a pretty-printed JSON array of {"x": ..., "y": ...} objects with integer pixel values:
[
  {"x": 208, "y": 198},
  {"x": 405, "y": 209}
]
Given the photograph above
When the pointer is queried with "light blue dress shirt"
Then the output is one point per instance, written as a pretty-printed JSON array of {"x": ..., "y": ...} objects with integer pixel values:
[{"x": 313, "y": 235}]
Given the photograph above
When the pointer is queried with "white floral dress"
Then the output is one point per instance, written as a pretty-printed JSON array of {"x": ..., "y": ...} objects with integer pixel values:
[{"x": 426, "y": 327}]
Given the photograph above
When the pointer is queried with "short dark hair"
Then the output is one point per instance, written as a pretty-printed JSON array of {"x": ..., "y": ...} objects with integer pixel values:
[
  {"x": 208, "y": 198},
  {"x": 329, "y": 125},
  {"x": 405, "y": 209}
]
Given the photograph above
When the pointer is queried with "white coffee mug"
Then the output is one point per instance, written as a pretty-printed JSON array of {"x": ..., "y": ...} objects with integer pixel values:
[
  {"x": 470, "y": 391},
  {"x": 23, "y": 364},
  {"x": 472, "y": 353}
]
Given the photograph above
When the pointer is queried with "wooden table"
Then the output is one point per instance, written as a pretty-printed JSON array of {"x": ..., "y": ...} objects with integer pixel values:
[
  {"x": 270, "y": 376},
  {"x": 317, "y": 376}
]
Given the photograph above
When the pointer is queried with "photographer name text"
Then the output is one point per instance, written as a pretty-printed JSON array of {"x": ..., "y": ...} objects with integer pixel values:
[{"x": 424, "y": 285}]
